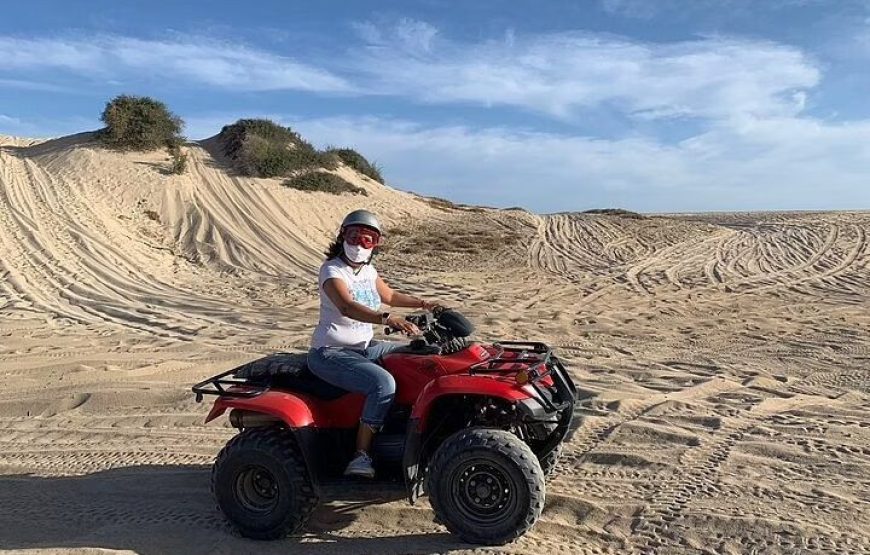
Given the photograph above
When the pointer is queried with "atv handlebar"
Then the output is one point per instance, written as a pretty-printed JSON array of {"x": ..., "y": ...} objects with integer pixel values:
[
  {"x": 423, "y": 321},
  {"x": 441, "y": 327}
]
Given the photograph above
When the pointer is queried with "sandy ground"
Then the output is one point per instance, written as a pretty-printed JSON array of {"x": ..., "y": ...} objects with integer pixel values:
[{"x": 723, "y": 360}]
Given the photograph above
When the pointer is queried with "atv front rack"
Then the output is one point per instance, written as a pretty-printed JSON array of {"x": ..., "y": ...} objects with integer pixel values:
[
  {"x": 224, "y": 386},
  {"x": 542, "y": 362}
]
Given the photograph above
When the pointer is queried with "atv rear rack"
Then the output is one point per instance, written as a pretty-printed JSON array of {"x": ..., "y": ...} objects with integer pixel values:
[
  {"x": 218, "y": 385},
  {"x": 542, "y": 362}
]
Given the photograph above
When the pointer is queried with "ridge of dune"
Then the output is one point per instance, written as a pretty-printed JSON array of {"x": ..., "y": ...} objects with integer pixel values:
[
  {"x": 15, "y": 141},
  {"x": 721, "y": 359},
  {"x": 93, "y": 235}
]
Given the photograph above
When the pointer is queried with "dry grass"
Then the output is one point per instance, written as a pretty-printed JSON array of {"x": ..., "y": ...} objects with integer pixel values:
[
  {"x": 439, "y": 238},
  {"x": 324, "y": 182}
]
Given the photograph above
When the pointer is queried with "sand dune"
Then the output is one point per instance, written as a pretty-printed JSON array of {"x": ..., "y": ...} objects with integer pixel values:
[{"x": 722, "y": 359}]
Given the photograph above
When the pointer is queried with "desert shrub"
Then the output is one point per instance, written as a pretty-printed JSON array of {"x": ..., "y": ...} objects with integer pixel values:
[
  {"x": 447, "y": 205},
  {"x": 179, "y": 158},
  {"x": 139, "y": 123},
  {"x": 262, "y": 148},
  {"x": 259, "y": 157},
  {"x": 324, "y": 182},
  {"x": 440, "y": 203},
  {"x": 616, "y": 212},
  {"x": 179, "y": 163},
  {"x": 358, "y": 162}
]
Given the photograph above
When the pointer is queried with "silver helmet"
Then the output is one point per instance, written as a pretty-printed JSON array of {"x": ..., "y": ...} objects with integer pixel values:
[{"x": 362, "y": 217}]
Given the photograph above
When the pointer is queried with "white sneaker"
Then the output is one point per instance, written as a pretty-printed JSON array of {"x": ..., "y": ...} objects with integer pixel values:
[{"x": 361, "y": 465}]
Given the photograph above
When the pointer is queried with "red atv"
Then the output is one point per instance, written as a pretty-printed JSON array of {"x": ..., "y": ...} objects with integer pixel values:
[{"x": 477, "y": 427}]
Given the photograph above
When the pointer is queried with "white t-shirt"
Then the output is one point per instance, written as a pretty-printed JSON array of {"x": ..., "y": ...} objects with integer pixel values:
[{"x": 333, "y": 329}]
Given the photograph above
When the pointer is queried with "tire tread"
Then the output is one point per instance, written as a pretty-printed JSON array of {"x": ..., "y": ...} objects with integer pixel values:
[
  {"x": 508, "y": 445},
  {"x": 280, "y": 443}
]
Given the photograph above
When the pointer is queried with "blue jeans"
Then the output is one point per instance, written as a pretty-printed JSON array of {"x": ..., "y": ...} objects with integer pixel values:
[{"x": 357, "y": 370}]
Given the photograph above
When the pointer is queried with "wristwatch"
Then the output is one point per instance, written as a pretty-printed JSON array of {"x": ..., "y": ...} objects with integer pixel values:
[{"x": 384, "y": 317}]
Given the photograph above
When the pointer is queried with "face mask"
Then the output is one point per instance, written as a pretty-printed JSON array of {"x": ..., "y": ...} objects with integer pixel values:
[{"x": 356, "y": 253}]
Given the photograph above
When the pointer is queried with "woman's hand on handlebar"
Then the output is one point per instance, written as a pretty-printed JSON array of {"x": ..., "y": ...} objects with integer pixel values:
[
  {"x": 399, "y": 323},
  {"x": 431, "y": 305}
]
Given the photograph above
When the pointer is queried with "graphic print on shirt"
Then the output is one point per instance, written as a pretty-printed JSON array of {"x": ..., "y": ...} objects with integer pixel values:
[{"x": 364, "y": 294}]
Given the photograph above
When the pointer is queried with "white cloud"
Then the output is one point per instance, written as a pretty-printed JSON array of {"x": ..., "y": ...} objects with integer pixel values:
[
  {"x": 204, "y": 126},
  {"x": 200, "y": 60},
  {"x": 631, "y": 8},
  {"x": 684, "y": 9},
  {"x": 784, "y": 163},
  {"x": 25, "y": 84},
  {"x": 409, "y": 34},
  {"x": 560, "y": 73},
  {"x": 858, "y": 46}
]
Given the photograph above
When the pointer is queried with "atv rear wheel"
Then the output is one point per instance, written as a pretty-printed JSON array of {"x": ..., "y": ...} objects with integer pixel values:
[
  {"x": 486, "y": 486},
  {"x": 262, "y": 485}
]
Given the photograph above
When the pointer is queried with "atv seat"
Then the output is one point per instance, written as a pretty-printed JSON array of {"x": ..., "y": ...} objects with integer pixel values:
[{"x": 288, "y": 371}]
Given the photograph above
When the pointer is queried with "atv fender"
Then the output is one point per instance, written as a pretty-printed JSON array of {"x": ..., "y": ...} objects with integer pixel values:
[
  {"x": 445, "y": 386},
  {"x": 456, "y": 384},
  {"x": 290, "y": 409}
]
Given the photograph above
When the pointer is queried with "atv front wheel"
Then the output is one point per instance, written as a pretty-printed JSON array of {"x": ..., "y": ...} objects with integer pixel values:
[
  {"x": 486, "y": 486},
  {"x": 261, "y": 484},
  {"x": 549, "y": 462}
]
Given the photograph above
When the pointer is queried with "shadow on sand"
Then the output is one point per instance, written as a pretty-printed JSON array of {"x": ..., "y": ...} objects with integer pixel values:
[{"x": 169, "y": 509}]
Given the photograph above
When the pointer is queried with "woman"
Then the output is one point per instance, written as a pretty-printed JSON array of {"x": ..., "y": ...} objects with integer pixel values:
[{"x": 342, "y": 351}]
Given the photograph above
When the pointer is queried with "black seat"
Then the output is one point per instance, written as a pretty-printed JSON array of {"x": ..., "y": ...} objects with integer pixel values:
[{"x": 289, "y": 371}]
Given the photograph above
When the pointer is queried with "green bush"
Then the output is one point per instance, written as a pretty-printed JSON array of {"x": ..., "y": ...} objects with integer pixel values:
[
  {"x": 324, "y": 182},
  {"x": 262, "y": 148},
  {"x": 357, "y": 161},
  {"x": 139, "y": 123},
  {"x": 258, "y": 157}
]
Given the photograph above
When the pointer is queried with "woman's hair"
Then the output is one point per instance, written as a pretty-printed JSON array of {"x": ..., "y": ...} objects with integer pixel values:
[{"x": 336, "y": 247}]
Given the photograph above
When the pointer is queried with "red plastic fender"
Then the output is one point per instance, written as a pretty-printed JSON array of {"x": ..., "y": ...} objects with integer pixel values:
[
  {"x": 463, "y": 384},
  {"x": 289, "y": 408}
]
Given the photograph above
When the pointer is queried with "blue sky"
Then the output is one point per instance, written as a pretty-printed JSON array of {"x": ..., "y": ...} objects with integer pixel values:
[{"x": 655, "y": 106}]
